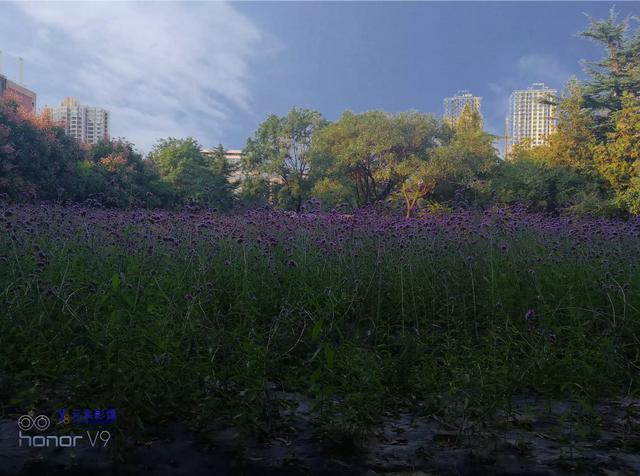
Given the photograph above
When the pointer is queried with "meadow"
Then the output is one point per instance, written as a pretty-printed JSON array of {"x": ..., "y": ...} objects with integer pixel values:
[{"x": 197, "y": 317}]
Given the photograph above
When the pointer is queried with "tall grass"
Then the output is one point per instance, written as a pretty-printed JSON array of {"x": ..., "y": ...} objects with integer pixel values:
[{"x": 194, "y": 316}]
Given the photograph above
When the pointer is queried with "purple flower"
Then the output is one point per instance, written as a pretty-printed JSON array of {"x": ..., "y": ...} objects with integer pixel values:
[{"x": 530, "y": 315}]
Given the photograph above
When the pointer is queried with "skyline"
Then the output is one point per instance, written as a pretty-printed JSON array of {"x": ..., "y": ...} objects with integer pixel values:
[{"x": 236, "y": 63}]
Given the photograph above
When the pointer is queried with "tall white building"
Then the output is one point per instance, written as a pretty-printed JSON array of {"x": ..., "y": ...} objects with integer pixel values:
[
  {"x": 532, "y": 115},
  {"x": 85, "y": 123},
  {"x": 453, "y": 106}
]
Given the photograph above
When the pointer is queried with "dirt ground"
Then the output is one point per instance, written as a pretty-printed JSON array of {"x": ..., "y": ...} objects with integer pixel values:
[{"x": 538, "y": 437}]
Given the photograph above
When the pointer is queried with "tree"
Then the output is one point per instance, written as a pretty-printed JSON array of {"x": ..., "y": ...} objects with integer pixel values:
[
  {"x": 465, "y": 164},
  {"x": 369, "y": 151},
  {"x": 573, "y": 143},
  {"x": 617, "y": 73},
  {"x": 220, "y": 189},
  {"x": 280, "y": 150},
  {"x": 37, "y": 159},
  {"x": 619, "y": 159},
  {"x": 183, "y": 166},
  {"x": 255, "y": 192},
  {"x": 541, "y": 187},
  {"x": 562, "y": 175},
  {"x": 116, "y": 175},
  {"x": 420, "y": 179}
]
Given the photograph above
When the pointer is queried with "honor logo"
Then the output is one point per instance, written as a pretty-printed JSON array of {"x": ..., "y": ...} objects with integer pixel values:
[
  {"x": 42, "y": 423},
  {"x": 26, "y": 422}
]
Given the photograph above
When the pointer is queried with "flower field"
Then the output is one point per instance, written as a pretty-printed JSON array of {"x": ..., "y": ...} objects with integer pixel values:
[{"x": 196, "y": 316}]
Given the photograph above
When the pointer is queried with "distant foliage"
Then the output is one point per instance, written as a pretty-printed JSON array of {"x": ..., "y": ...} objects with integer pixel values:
[
  {"x": 220, "y": 188},
  {"x": 591, "y": 164},
  {"x": 619, "y": 159},
  {"x": 37, "y": 160},
  {"x": 193, "y": 177},
  {"x": 277, "y": 159},
  {"x": 465, "y": 164},
  {"x": 616, "y": 74},
  {"x": 542, "y": 187},
  {"x": 410, "y": 162},
  {"x": 116, "y": 175},
  {"x": 368, "y": 157}
]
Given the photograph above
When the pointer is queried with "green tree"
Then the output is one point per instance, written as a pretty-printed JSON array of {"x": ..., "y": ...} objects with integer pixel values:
[
  {"x": 330, "y": 179},
  {"x": 279, "y": 152},
  {"x": 221, "y": 189},
  {"x": 465, "y": 164},
  {"x": 420, "y": 178},
  {"x": 573, "y": 143},
  {"x": 529, "y": 180},
  {"x": 619, "y": 159},
  {"x": 617, "y": 73},
  {"x": 369, "y": 151},
  {"x": 255, "y": 192},
  {"x": 182, "y": 165},
  {"x": 38, "y": 160},
  {"x": 563, "y": 174},
  {"x": 116, "y": 175}
]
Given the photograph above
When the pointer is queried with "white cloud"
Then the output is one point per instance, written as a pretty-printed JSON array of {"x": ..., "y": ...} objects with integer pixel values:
[{"x": 162, "y": 68}]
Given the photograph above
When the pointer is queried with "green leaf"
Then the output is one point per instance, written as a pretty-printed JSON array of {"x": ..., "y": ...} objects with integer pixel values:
[
  {"x": 315, "y": 376},
  {"x": 115, "y": 281},
  {"x": 115, "y": 316},
  {"x": 328, "y": 354},
  {"x": 317, "y": 328}
]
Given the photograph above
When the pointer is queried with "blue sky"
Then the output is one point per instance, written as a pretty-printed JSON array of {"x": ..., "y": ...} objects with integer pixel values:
[{"x": 215, "y": 70}]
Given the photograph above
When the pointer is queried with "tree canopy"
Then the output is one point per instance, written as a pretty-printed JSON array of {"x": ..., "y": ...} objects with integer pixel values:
[
  {"x": 618, "y": 72},
  {"x": 279, "y": 153},
  {"x": 194, "y": 177},
  {"x": 370, "y": 151},
  {"x": 37, "y": 159}
]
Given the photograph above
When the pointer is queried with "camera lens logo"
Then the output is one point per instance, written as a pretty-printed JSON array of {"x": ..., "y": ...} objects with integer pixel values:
[{"x": 26, "y": 422}]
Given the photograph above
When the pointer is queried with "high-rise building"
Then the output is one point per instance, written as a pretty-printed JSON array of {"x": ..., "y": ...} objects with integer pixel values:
[
  {"x": 85, "y": 123},
  {"x": 25, "y": 98},
  {"x": 532, "y": 116},
  {"x": 454, "y": 106}
]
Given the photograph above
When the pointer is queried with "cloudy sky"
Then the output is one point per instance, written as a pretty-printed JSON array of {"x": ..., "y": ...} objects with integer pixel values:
[{"x": 215, "y": 70}]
